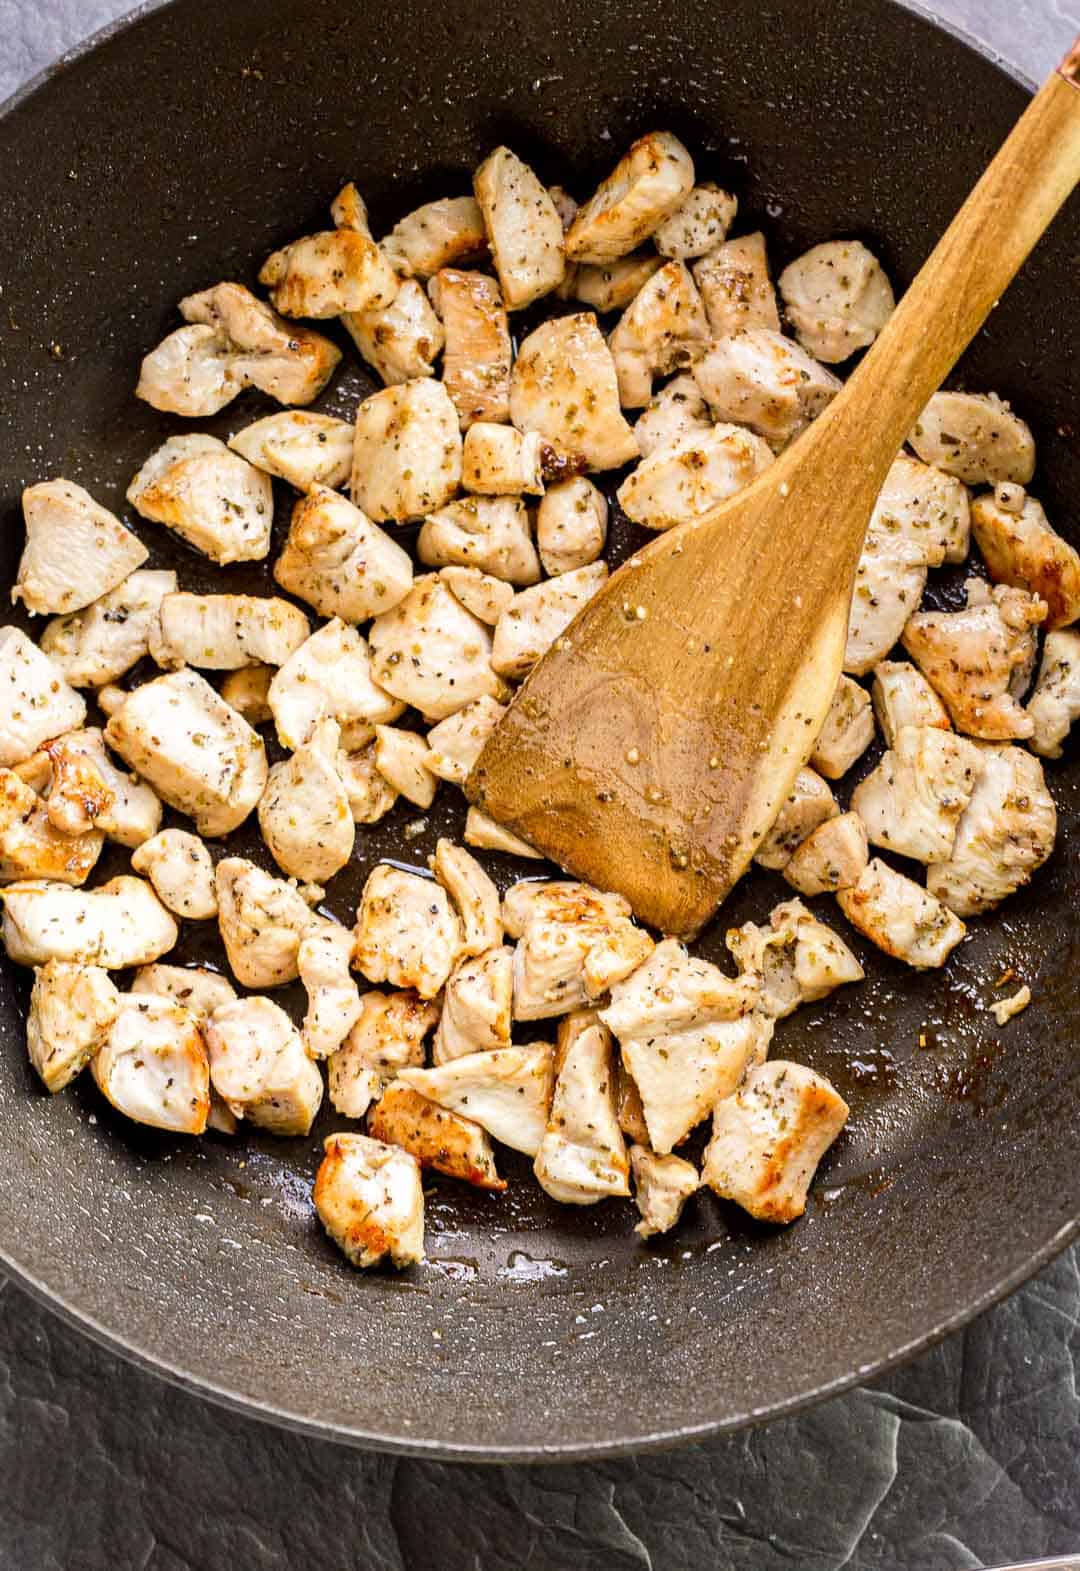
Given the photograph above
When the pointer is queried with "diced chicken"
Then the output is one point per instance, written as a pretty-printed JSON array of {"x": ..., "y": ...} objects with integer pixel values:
[
  {"x": 1005, "y": 1009},
  {"x": 35, "y": 700},
  {"x": 482, "y": 831},
  {"x": 1055, "y": 703},
  {"x": 407, "y": 932},
  {"x": 976, "y": 437},
  {"x": 809, "y": 804},
  {"x": 927, "y": 507},
  {"x": 401, "y": 340},
  {"x": 72, "y": 1009},
  {"x": 262, "y": 920},
  {"x": 227, "y": 632},
  {"x": 327, "y": 274},
  {"x": 699, "y": 225},
  {"x": 769, "y": 1137},
  {"x": 499, "y": 460},
  {"x": 456, "y": 743},
  {"x": 330, "y": 677},
  {"x": 474, "y": 895},
  {"x": 432, "y": 653},
  {"x": 370, "y": 1200},
  {"x": 349, "y": 210},
  {"x": 407, "y": 452},
  {"x": 304, "y": 812},
  {"x": 613, "y": 957},
  {"x": 582, "y": 1156},
  {"x": 210, "y": 497},
  {"x": 759, "y": 378},
  {"x": 341, "y": 563},
  {"x": 1021, "y": 548},
  {"x": 476, "y": 362},
  {"x": 901, "y": 918},
  {"x": 259, "y": 1066},
  {"x": 477, "y": 1006},
  {"x": 735, "y": 287},
  {"x": 912, "y": 802},
  {"x": 200, "y": 991},
  {"x": 558, "y": 900},
  {"x": 979, "y": 659},
  {"x": 831, "y": 858},
  {"x": 152, "y": 1066},
  {"x": 370, "y": 794},
  {"x": 484, "y": 596},
  {"x": 662, "y": 1186},
  {"x": 646, "y": 187},
  {"x": 401, "y": 759},
  {"x": 290, "y": 363},
  {"x": 847, "y": 732},
  {"x": 902, "y": 697},
  {"x": 538, "y": 616},
  {"x": 688, "y": 1035},
  {"x": 388, "y": 1036},
  {"x": 628, "y": 1105},
  {"x": 180, "y": 868},
  {"x": 1005, "y": 835},
  {"x": 446, "y": 233},
  {"x": 661, "y": 330},
  {"x": 85, "y": 790},
  {"x": 796, "y": 959},
  {"x": 837, "y": 298},
  {"x": 30, "y": 844},
  {"x": 302, "y": 448},
  {"x": 612, "y": 285},
  {"x": 191, "y": 372},
  {"x": 564, "y": 385},
  {"x": 198, "y": 753},
  {"x": 507, "y": 1091},
  {"x": 118, "y": 924},
  {"x": 690, "y": 476},
  {"x": 248, "y": 692},
  {"x": 489, "y": 533},
  {"x": 435, "y": 1137},
  {"x": 889, "y": 582},
  {"x": 678, "y": 410},
  {"x": 571, "y": 526},
  {"x": 75, "y": 550},
  {"x": 323, "y": 959},
  {"x": 524, "y": 230},
  {"x": 97, "y": 645}
]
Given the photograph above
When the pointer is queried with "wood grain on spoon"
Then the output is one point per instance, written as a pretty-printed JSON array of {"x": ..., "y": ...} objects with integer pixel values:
[{"x": 649, "y": 751}]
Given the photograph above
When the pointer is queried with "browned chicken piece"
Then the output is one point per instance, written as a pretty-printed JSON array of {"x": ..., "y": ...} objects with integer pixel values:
[
  {"x": 831, "y": 858},
  {"x": 476, "y": 361},
  {"x": 290, "y": 363},
  {"x": 1006, "y": 833},
  {"x": 1021, "y": 548},
  {"x": 735, "y": 287},
  {"x": 837, "y": 298},
  {"x": 564, "y": 961},
  {"x": 687, "y": 479},
  {"x": 72, "y": 1009},
  {"x": 327, "y": 274},
  {"x": 571, "y": 526},
  {"x": 323, "y": 960},
  {"x": 699, "y": 225},
  {"x": 912, "y": 802},
  {"x": 36, "y": 702},
  {"x": 259, "y": 1066},
  {"x": 490, "y": 533},
  {"x": 75, "y": 550},
  {"x": 474, "y": 895},
  {"x": 349, "y": 210},
  {"x": 1055, "y": 703},
  {"x": 902, "y": 696},
  {"x": 477, "y": 1006},
  {"x": 152, "y": 1066},
  {"x": 809, "y": 803},
  {"x": 582, "y": 1156},
  {"x": 401, "y": 759},
  {"x": 248, "y": 692},
  {"x": 99, "y": 644},
  {"x": 796, "y": 960},
  {"x": 199, "y": 990},
  {"x": 456, "y": 743},
  {"x": 304, "y": 812},
  {"x": 926, "y": 507},
  {"x": 118, "y": 924},
  {"x": 209, "y": 496},
  {"x": 370, "y": 795},
  {"x": 407, "y": 455},
  {"x": 507, "y": 1091},
  {"x": 407, "y": 932},
  {"x": 262, "y": 920},
  {"x": 678, "y": 410},
  {"x": 610, "y": 286},
  {"x": 661, "y": 330},
  {"x": 85, "y": 790},
  {"x": 401, "y": 340},
  {"x": 537, "y": 616},
  {"x": 900, "y": 917},
  {"x": 646, "y": 187},
  {"x": 305, "y": 449},
  {"x": 499, "y": 460},
  {"x": 388, "y": 1036},
  {"x": 563, "y": 384},
  {"x": 482, "y": 831},
  {"x": 341, "y": 563},
  {"x": 976, "y": 437},
  {"x": 889, "y": 582},
  {"x": 524, "y": 230},
  {"x": 370, "y": 1200},
  {"x": 446, "y": 233},
  {"x": 180, "y": 867},
  {"x": 227, "y": 632},
  {"x": 329, "y": 678},
  {"x": 662, "y": 1186},
  {"x": 32, "y": 847},
  {"x": 847, "y": 732},
  {"x": 436, "y": 1137},
  {"x": 191, "y": 372},
  {"x": 761, "y": 379},
  {"x": 430, "y": 652},
  {"x": 483, "y": 595},
  {"x": 558, "y": 900}
]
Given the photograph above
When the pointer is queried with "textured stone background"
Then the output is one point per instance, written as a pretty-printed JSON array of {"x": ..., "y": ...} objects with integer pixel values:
[{"x": 968, "y": 1457}]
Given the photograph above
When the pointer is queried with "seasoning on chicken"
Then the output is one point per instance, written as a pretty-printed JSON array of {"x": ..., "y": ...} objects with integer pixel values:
[
  {"x": 661, "y": 330},
  {"x": 327, "y": 274},
  {"x": 831, "y": 858},
  {"x": 662, "y": 1186},
  {"x": 401, "y": 340},
  {"x": 210, "y": 497},
  {"x": 323, "y": 959},
  {"x": 180, "y": 868},
  {"x": 1006, "y": 833},
  {"x": 435, "y": 1137},
  {"x": 489, "y": 533},
  {"x": 735, "y": 287},
  {"x": 35, "y": 700},
  {"x": 498, "y": 460},
  {"x": 912, "y": 802},
  {"x": 809, "y": 804},
  {"x": 152, "y": 1066},
  {"x": 72, "y": 1009},
  {"x": 289, "y": 363},
  {"x": 85, "y": 790},
  {"x": 304, "y": 811},
  {"x": 330, "y": 677},
  {"x": 341, "y": 563},
  {"x": 900, "y": 917},
  {"x": 388, "y": 1036},
  {"x": 976, "y": 437},
  {"x": 927, "y": 507},
  {"x": 227, "y": 632},
  {"x": 558, "y": 900},
  {"x": 407, "y": 452},
  {"x": 524, "y": 230},
  {"x": 401, "y": 759},
  {"x": 538, "y": 616},
  {"x": 796, "y": 959},
  {"x": 760, "y": 379},
  {"x": 837, "y": 299},
  {"x": 191, "y": 372},
  {"x": 507, "y": 1091},
  {"x": 648, "y": 185},
  {"x": 446, "y": 233},
  {"x": 582, "y": 1156},
  {"x": 678, "y": 410},
  {"x": 1055, "y": 703},
  {"x": 30, "y": 844},
  {"x": 903, "y": 697},
  {"x": 482, "y": 831},
  {"x": 118, "y": 924},
  {"x": 699, "y": 225},
  {"x": 686, "y": 479},
  {"x": 571, "y": 526},
  {"x": 768, "y": 1139},
  {"x": 889, "y": 582},
  {"x": 370, "y": 794},
  {"x": 456, "y": 743},
  {"x": 847, "y": 732},
  {"x": 200, "y": 991},
  {"x": 483, "y": 596},
  {"x": 477, "y": 1006},
  {"x": 370, "y": 1201},
  {"x": 473, "y": 894},
  {"x": 430, "y": 652},
  {"x": 1021, "y": 548},
  {"x": 262, "y": 920},
  {"x": 305, "y": 449},
  {"x": 258, "y": 1065},
  {"x": 612, "y": 285},
  {"x": 476, "y": 360},
  {"x": 563, "y": 384},
  {"x": 75, "y": 550},
  {"x": 407, "y": 932},
  {"x": 102, "y": 642}
]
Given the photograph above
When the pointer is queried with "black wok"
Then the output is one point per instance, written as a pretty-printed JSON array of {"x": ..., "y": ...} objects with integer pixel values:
[{"x": 180, "y": 150}]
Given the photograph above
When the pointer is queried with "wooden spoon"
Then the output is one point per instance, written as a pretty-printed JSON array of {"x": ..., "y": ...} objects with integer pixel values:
[{"x": 649, "y": 751}]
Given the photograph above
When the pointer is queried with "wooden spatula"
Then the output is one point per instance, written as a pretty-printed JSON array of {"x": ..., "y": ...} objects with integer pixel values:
[{"x": 649, "y": 751}]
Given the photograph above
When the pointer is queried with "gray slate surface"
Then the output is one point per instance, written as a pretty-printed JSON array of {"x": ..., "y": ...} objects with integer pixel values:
[{"x": 967, "y": 1457}]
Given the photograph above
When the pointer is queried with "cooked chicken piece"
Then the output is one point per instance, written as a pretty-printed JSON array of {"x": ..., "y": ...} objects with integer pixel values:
[
  {"x": 662, "y": 1186},
  {"x": 401, "y": 759},
  {"x": 87, "y": 791},
  {"x": 796, "y": 959},
  {"x": 507, "y": 1091},
  {"x": 110, "y": 698},
  {"x": 227, "y": 632},
  {"x": 370, "y": 1200},
  {"x": 432, "y": 653},
  {"x": 688, "y": 1035},
  {"x": 1055, "y": 703},
  {"x": 330, "y": 677},
  {"x": 837, "y": 298},
  {"x": 476, "y": 362},
  {"x": 248, "y": 692},
  {"x": 558, "y": 900},
  {"x": 370, "y": 794},
  {"x": 564, "y": 385},
  {"x": 973, "y": 657},
  {"x": 686, "y": 479},
  {"x": 489, "y": 533},
  {"x": 191, "y": 372},
  {"x": 446, "y": 233},
  {"x": 198, "y": 990},
  {"x": 976, "y": 437},
  {"x": 304, "y": 812},
  {"x": 213, "y": 499},
  {"x": 401, "y": 340},
  {"x": 482, "y": 831},
  {"x": 809, "y": 804},
  {"x": 435, "y": 1137},
  {"x": 612, "y": 286},
  {"x": 902, "y": 697},
  {"x": 760, "y": 379},
  {"x": 499, "y": 460},
  {"x": 847, "y": 732},
  {"x": 262, "y": 920},
  {"x": 474, "y": 895},
  {"x": 1006, "y": 833},
  {"x": 1021, "y": 548},
  {"x": 333, "y": 1009},
  {"x": 407, "y": 932},
  {"x": 35, "y": 700},
  {"x": 769, "y": 1137},
  {"x": 477, "y": 1006},
  {"x": 388, "y": 1035},
  {"x": 699, "y": 225},
  {"x": 483, "y": 596},
  {"x": 75, "y": 551},
  {"x": 571, "y": 526},
  {"x": 97, "y": 645},
  {"x": 305, "y": 449},
  {"x": 341, "y": 563},
  {"x": 456, "y": 743},
  {"x": 407, "y": 453},
  {"x": 831, "y": 858},
  {"x": 615, "y": 954},
  {"x": 349, "y": 210},
  {"x": 198, "y": 753},
  {"x": 678, "y": 410},
  {"x": 538, "y": 616},
  {"x": 152, "y": 1066},
  {"x": 524, "y": 230},
  {"x": 912, "y": 802},
  {"x": 72, "y": 1009},
  {"x": 582, "y": 1156},
  {"x": 118, "y": 924},
  {"x": 182, "y": 872},
  {"x": 889, "y": 582},
  {"x": 646, "y": 187},
  {"x": 900, "y": 917},
  {"x": 1005, "y": 1009},
  {"x": 327, "y": 274},
  {"x": 735, "y": 287},
  {"x": 661, "y": 330},
  {"x": 928, "y": 508},
  {"x": 290, "y": 363},
  {"x": 32, "y": 847},
  {"x": 628, "y": 1105},
  {"x": 258, "y": 1065}
]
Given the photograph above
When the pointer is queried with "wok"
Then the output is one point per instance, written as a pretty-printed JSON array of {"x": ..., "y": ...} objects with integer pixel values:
[{"x": 180, "y": 149}]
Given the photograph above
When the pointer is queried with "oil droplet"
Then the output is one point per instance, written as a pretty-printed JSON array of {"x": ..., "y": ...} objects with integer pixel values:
[
  {"x": 524, "y": 1268},
  {"x": 633, "y": 756}
]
